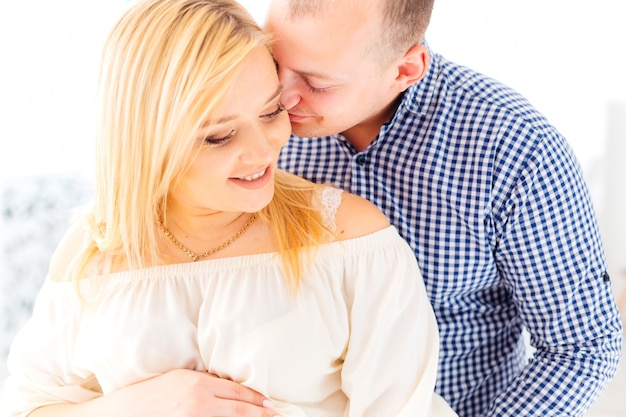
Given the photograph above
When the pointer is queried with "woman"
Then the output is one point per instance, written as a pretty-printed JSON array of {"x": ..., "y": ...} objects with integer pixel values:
[{"x": 204, "y": 282}]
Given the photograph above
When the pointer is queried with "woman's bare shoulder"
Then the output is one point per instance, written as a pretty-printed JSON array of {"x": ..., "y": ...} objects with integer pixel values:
[
  {"x": 72, "y": 242},
  {"x": 356, "y": 217}
]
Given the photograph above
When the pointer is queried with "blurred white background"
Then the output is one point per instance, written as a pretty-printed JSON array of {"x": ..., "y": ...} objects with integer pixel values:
[{"x": 566, "y": 56}]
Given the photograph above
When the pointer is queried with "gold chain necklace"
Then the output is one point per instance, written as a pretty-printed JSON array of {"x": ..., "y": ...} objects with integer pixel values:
[{"x": 193, "y": 256}]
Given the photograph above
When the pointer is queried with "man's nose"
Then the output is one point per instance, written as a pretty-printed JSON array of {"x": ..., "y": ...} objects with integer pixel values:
[{"x": 290, "y": 95}]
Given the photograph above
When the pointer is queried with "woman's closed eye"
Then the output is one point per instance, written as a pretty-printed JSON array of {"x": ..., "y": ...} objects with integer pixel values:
[
  {"x": 271, "y": 116},
  {"x": 217, "y": 140}
]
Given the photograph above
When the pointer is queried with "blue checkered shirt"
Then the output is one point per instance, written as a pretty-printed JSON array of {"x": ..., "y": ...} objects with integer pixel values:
[{"x": 492, "y": 200}]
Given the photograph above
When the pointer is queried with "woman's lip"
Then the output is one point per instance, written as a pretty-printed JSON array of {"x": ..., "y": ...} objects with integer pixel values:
[
  {"x": 256, "y": 181},
  {"x": 254, "y": 176}
]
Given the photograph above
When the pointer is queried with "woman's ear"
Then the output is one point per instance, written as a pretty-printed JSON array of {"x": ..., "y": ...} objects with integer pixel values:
[{"x": 412, "y": 67}]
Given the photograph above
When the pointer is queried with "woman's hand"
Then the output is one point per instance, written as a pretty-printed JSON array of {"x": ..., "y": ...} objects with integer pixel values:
[{"x": 178, "y": 393}]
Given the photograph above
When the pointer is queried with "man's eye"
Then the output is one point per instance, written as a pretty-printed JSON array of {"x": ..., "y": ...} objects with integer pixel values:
[
  {"x": 314, "y": 89},
  {"x": 272, "y": 115},
  {"x": 213, "y": 140}
]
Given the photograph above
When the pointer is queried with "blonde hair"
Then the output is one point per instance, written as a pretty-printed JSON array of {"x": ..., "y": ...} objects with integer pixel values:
[{"x": 165, "y": 67}]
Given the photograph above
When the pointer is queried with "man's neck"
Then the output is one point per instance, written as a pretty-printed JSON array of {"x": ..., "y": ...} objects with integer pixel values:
[{"x": 361, "y": 135}]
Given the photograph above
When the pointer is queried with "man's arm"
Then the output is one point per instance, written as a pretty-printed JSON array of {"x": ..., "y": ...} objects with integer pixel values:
[{"x": 551, "y": 256}]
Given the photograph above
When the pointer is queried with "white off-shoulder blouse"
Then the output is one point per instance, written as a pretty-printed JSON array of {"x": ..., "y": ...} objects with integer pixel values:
[{"x": 359, "y": 339}]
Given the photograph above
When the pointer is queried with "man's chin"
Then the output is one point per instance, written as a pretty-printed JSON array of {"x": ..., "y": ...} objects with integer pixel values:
[
  {"x": 309, "y": 127},
  {"x": 303, "y": 127},
  {"x": 304, "y": 132}
]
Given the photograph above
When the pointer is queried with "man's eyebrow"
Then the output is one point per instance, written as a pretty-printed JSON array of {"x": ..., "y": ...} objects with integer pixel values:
[
  {"x": 227, "y": 118},
  {"x": 318, "y": 75}
]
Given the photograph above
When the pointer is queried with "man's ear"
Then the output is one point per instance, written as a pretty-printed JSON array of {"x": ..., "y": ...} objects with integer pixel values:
[{"x": 412, "y": 67}]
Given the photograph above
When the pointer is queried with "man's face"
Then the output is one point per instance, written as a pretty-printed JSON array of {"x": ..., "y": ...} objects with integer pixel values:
[{"x": 331, "y": 83}]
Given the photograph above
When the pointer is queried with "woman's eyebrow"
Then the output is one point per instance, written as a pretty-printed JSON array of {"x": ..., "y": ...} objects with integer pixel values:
[{"x": 272, "y": 97}]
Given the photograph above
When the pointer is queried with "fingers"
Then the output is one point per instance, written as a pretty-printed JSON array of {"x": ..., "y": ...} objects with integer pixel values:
[
  {"x": 239, "y": 400},
  {"x": 200, "y": 393},
  {"x": 234, "y": 408},
  {"x": 230, "y": 390}
]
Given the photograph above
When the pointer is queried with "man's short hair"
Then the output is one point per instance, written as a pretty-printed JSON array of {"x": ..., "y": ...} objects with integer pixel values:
[{"x": 403, "y": 22}]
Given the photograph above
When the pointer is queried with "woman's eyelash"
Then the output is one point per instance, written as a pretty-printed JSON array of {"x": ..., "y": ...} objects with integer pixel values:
[
  {"x": 215, "y": 141},
  {"x": 220, "y": 141},
  {"x": 279, "y": 109}
]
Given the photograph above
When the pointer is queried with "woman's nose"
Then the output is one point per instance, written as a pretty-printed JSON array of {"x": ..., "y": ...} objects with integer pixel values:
[{"x": 262, "y": 147}]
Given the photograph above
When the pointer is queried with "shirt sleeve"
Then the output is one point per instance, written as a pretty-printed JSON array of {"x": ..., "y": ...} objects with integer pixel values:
[
  {"x": 40, "y": 359},
  {"x": 550, "y": 256},
  {"x": 390, "y": 367}
]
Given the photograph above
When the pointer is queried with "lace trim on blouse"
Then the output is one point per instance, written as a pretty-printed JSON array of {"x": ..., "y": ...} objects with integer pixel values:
[{"x": 329, "y": 199}]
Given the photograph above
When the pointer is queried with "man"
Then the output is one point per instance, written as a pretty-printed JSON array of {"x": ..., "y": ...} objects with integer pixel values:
[{"x": 487, "y": 193}]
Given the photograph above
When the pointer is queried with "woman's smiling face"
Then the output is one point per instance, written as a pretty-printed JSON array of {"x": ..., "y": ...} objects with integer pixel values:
[{"x": 235, "y": 166}]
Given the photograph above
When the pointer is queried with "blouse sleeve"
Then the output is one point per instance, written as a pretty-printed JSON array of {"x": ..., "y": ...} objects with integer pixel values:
[
  {"x": 390, "y": 367},
  {"x": 40, "y": 359}
]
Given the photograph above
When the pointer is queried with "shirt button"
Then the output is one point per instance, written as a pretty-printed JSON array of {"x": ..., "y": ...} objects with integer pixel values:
[{"x": 361, "y": 160}]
